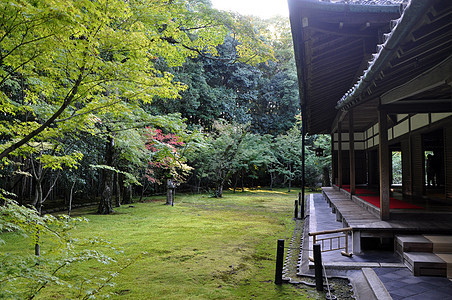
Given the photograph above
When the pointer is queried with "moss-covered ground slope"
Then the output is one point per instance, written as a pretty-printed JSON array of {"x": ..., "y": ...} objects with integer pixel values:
[{"x": 201, "y": 248}]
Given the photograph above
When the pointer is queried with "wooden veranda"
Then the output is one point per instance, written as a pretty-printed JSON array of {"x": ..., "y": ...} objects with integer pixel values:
[{"x": 377, "y": 75}]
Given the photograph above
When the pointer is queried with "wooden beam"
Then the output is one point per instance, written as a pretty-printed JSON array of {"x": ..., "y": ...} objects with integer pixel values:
[
  {"x": 436, "y": 76},
  {"x": 339, "y": 117},
  {"x": 351, "y": 140},
  {"x": 423, "y": 106},
  {"x": 384, "y": 165}
]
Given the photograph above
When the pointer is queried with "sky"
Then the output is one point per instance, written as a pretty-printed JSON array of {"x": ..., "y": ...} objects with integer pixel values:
[{"x": 260, "y": 8}]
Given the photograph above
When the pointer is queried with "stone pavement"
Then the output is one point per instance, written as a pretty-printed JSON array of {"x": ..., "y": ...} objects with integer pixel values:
[
  {"x": 398, "y": 280},
  {"x": 401, "y": 284}
]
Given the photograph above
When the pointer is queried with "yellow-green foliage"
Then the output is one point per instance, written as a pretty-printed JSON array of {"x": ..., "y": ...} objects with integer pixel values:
[{"x": 64, "y": 61}]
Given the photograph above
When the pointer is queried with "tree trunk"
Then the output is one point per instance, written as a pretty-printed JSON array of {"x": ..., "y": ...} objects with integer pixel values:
[
  {"x": 38, "y": 206},
  {"x": 127, "y": 196},
  {"x": 236, "y": 180},
  {"x": 118, "y": 191},
  {"x": 105, "y": 204},
  {"x": 122, "y": 188},
  {"x": 290, "y": 177},
  {"x": 241, "y": 178},
  {"x": 219, "y": 190},
  {"x": 326, "y": 176},
  {"x": 143, "y": 190},
  {"x": 69, "y": 209},
  {"x": 272, "y": 178},
  {"x": 23, "y": 190},
  {"x": 37, "y": 245}
]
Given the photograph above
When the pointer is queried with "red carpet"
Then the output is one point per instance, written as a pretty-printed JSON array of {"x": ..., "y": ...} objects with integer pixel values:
[
  {"x": 374, "y": 199},
  {"x": 393, "y": 203},
  {"x": 361, "y": 191}
]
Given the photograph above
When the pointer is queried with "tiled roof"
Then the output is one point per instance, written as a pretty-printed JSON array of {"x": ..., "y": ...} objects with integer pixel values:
[
  {"x": 399, "y": 29},
  {"x": 368, "y": 2}
]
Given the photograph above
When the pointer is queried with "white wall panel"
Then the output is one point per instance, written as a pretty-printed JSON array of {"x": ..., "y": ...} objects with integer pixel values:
[
  {"x": 440, "y": 116},
  {"x": 401, "y": 128},
  {"x": 418, "y": 121}
]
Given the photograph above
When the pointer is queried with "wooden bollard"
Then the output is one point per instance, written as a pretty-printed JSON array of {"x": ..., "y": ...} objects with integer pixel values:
[
  {"x": 301, "y": 201},
  {"x": 279, "y": 261},
  {"x": 296, "y": 210},
  {"x": 318, "y": 267}
]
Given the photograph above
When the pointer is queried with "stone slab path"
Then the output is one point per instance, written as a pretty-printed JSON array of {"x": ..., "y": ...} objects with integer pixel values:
[{"x": 399, "y": 281}]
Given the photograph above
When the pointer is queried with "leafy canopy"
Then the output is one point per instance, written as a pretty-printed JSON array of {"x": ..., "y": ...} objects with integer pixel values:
[{"x": 61, "y": 62}]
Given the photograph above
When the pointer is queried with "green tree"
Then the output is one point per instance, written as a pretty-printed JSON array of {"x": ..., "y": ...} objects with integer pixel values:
[
  {"x": 25, "y": 276},
  {"x": 254, "y": 157},
  {"x": 288, "y": 152},
  {"x": 74, "y": 58},
  {"x": 79, "y": 66},
  {"x": 318, "y": 169},
  {"x": 277, "y": 102},
  {"x": 216, "y": 160}
]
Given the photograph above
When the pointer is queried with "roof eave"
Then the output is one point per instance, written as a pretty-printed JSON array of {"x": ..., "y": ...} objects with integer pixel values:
[{"x": 403, "y": 27}]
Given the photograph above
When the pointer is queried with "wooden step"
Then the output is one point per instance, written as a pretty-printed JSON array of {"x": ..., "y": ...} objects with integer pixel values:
[
  {"x": 425, "y": 264},
  {"x": 447, "y": 257},
  {"x": 441, "y": 243},
  {"x": 412, "y": 243}
]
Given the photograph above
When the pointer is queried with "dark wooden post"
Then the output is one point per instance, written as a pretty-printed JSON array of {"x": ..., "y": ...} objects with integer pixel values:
[
  {"x": 418, "y": 165},
  {"x": 279, "y": 261},
  {"x": 301, "y": 201},
  {"x": 351, "y": 139},
  {"x": 448, "y": 162},
  {"x": 303, "y": 152},
  {"x": 318, "y": 267},
  {"x": 407, "y": 182},
  {"x": 296, "y": 210},
  {"x": 333, "y": 162},
  {"x": 384, "y": 164},
  {"x": 339, "y": 155}
]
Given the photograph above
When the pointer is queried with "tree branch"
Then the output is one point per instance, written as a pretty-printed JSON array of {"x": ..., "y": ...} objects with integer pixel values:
[{"x": 68, "y": 99}]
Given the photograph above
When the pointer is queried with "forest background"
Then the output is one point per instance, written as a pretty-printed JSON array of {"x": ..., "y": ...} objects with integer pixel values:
[
  {"x": 109, "y": 101},
  {"x": 103, "y": 101}
]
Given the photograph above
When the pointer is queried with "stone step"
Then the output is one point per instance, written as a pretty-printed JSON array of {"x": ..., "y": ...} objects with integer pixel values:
[{"x": 425, "y": 264}]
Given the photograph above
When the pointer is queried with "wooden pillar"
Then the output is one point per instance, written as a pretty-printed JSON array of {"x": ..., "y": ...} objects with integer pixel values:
[
  {"x": 339, "y": 155},
  {"x": 418, "y": 165},
  {"x": 384, "y": 164},
  {"x": 370, "y": 169},
  {"x": 406, "y": 167},
  {"x": 333, "y": 162},
  {"x": 351, "y": 139},
  {"x": 448, "y": 162}
]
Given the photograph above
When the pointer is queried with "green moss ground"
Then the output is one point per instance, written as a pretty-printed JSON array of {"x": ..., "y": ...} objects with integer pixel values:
[{"x": 202, "y": 248}]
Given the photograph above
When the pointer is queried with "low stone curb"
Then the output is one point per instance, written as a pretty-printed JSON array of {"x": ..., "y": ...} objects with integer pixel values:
[
  {"x": 357, "y": 265},
  {"x": 377, "y": 287}
]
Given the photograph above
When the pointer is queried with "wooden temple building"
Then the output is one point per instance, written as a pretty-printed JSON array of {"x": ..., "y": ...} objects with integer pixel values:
[{"x": 377, "y": 76}]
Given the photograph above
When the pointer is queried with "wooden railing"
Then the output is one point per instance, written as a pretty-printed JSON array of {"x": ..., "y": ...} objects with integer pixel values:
[{"x": 329, "y": 240}]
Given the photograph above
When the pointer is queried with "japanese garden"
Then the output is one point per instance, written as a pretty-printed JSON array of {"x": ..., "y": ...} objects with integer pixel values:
[
  {"x": 173, "y": 149},
  {"x": 148, "y": 150}
]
